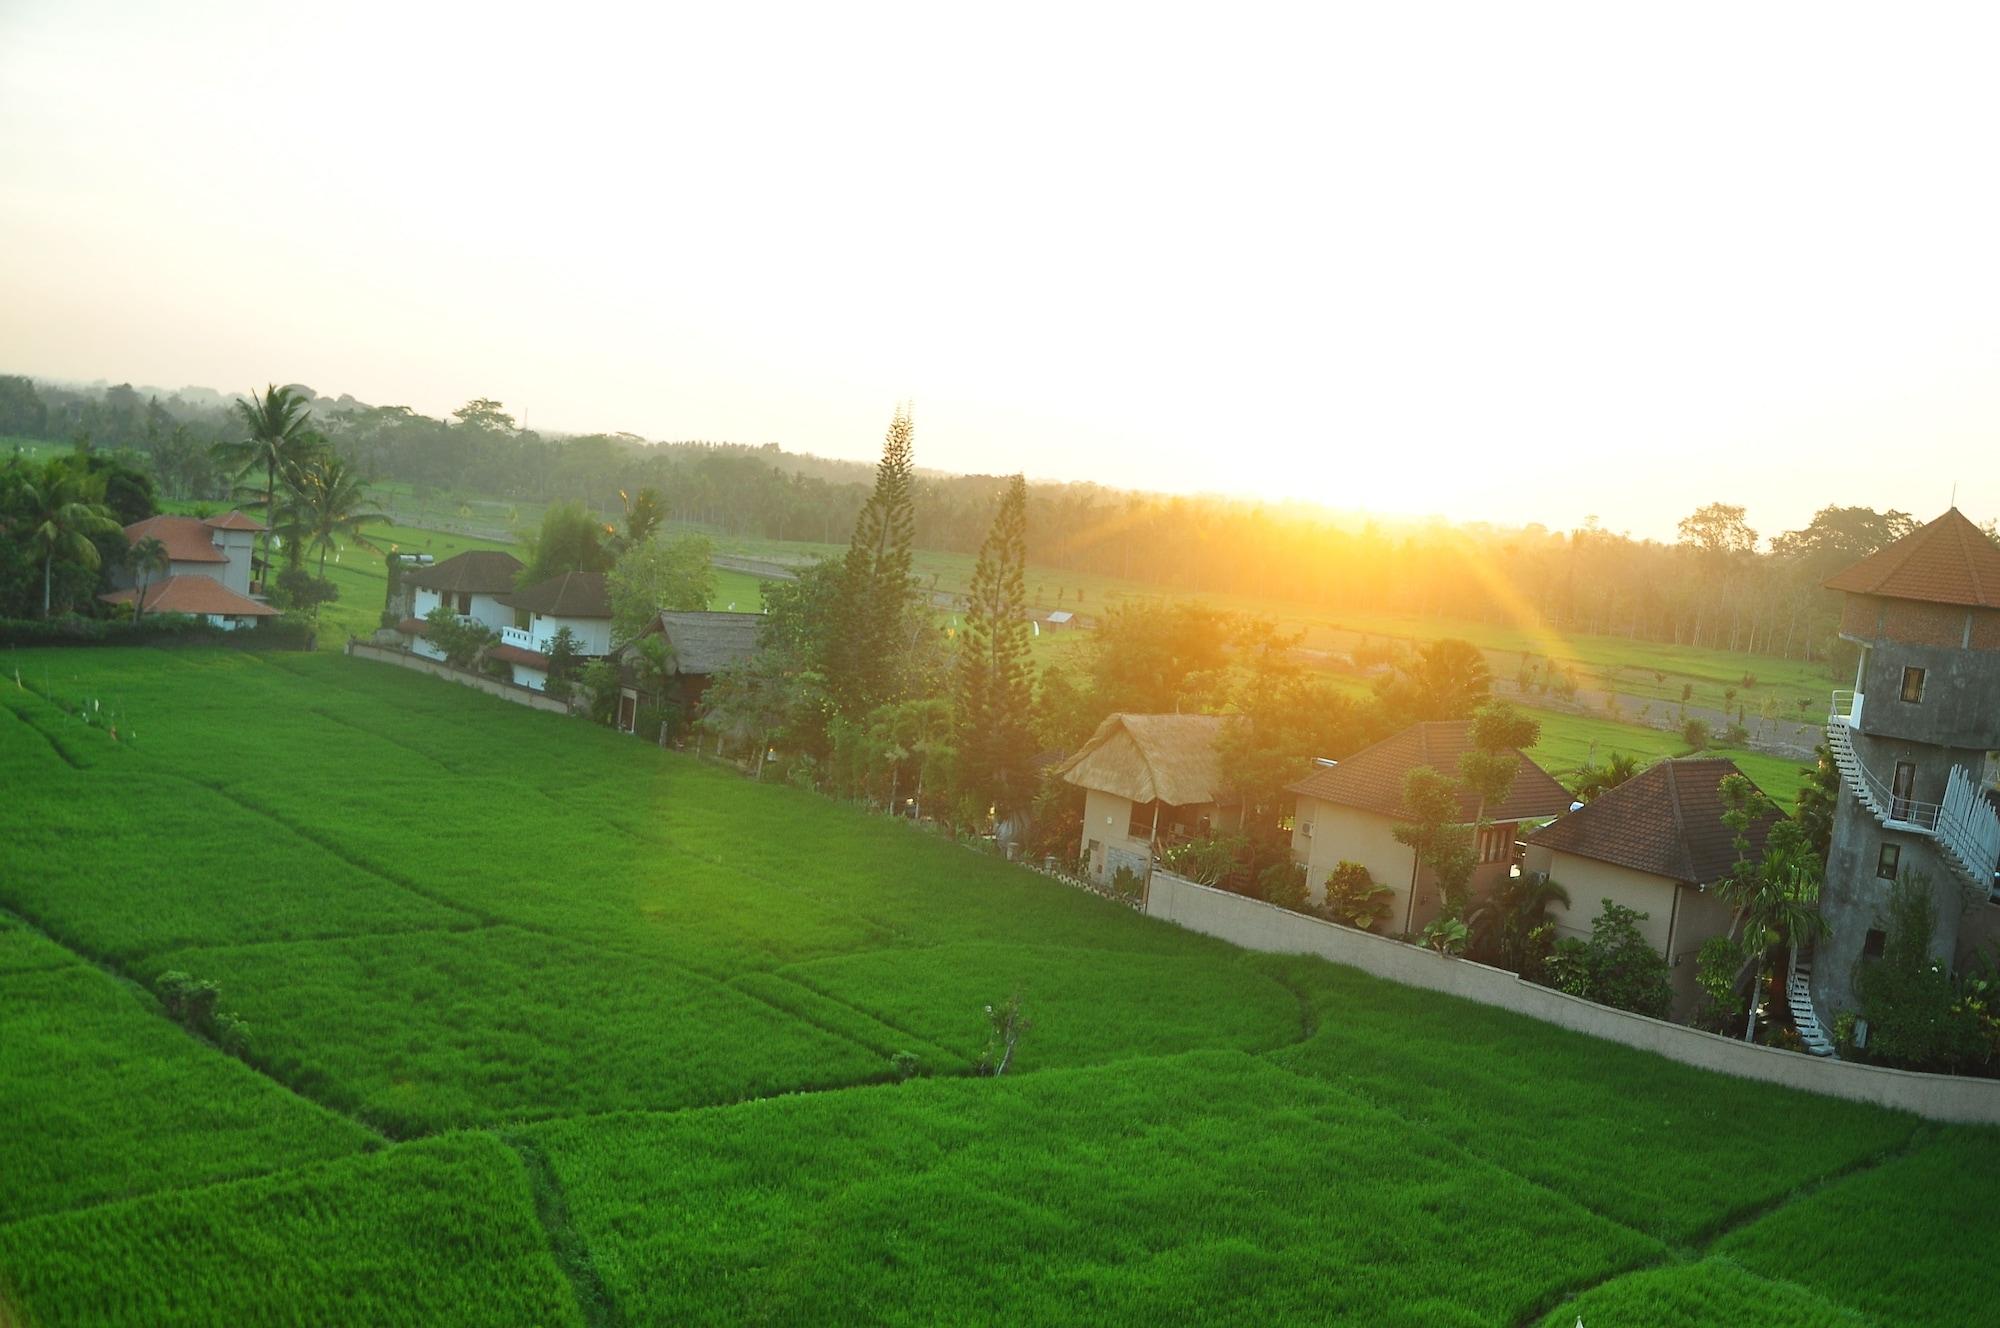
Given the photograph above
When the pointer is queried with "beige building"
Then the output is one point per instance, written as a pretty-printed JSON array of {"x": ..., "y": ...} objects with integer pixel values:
[
  {"x": 1657, "y": 844},
  {"x": 1348, "y": 812},
  {"x": 1147, "y": 780},
  {"x": 210, "y": 572}
]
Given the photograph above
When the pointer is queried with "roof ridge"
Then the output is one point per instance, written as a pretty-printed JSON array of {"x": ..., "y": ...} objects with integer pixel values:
[
  {"x": 1680, "y": 822},
  {"x": 1965, "y": 550}
]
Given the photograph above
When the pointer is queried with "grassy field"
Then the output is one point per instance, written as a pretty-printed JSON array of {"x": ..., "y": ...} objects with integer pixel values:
[{"x": 547, "y": 1025}]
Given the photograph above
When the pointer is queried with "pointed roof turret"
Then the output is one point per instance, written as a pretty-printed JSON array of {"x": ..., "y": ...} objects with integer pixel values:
[{"x": 1949, "y": 561}]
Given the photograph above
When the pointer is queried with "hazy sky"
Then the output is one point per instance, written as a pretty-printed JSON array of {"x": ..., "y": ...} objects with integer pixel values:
[{"x": 1513, "y": 262}]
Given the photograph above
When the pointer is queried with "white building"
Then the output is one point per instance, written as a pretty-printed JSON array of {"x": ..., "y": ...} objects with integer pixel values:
[
  {"x": 470, "y": 584},
  {"x": 578, "y": 601}
]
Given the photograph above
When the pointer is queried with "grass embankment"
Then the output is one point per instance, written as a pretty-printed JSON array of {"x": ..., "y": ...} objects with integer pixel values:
[{"x": 549, "y": 1025}]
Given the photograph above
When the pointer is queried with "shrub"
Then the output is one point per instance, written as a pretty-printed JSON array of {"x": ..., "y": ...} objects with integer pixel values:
[
  {"x": 1617, "y": 967},
  {"x": 1736, "y": 735},
  {"x": 1126, "y": 883},
  {"x": 1284, "y": 884},
  {"x": 663, "y": 724},
  {"x": 1353, "y": 899},
  {"x": 193, "y": 1003},
  {"x": 1206, "y": 861},
  {"x": 600, "y": 689},
  {"x": 157, "y": 629},
  {"x": 460, "y": 642},
  {"x": 1694, "y": 732},
  {"x": 906, "y": 1064},
  {"x": 1446, "y": 935}
]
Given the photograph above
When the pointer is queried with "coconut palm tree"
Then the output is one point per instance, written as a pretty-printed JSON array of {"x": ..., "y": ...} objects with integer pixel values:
[
  {"x": 275, "y": 437},
  {"x": 149, "y": 555},
  {"x": 64, "y": 509},
  {"x": 327, "y": 507}
]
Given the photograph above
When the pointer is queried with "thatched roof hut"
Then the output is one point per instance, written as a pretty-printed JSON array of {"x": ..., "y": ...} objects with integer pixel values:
[{"x": 1148, "y": 758}]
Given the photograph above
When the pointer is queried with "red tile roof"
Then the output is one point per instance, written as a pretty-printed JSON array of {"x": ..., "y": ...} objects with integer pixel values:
[
  {"x": 1666, "y": 821},
  {"x": 571, "y": 595},
  {"x": 186, "y": 538},
  {"x": 233, "y": 520},
  {"x": 1950, "y": 561},
  {"x": 1372, "y": 778},
  {"x": 517, "y": 655},
  {"x": 474, "y": 572},
  {"x": 412, "y": 626},
  {"x": 192, "y": 593}
]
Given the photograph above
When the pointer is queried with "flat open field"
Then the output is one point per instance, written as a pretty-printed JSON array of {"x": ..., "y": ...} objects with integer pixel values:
[{"x": 550, "y": 1026}]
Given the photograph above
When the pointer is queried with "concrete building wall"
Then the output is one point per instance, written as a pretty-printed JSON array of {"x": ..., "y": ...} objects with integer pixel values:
[
  {"x": 1255, "y": 925},
  {"x": 593, "y": 635},
  {"x": 1325, "y": 834},
  {"x": 1960, "y": 701},
  {"x": 239, "y": 545}
]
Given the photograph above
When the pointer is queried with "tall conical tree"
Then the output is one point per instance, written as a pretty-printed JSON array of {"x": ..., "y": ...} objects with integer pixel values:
[
  {"x": 996, "y": 747},
  {"x": 866, "y": 656}
]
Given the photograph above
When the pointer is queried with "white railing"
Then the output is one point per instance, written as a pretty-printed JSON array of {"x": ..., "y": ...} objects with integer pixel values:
[
  {"x": 1964, "y": 824},
  {"x": 1968, "y": 829},
  {"x": 1847, "y": 706},
  {"x": 525, "y": 639}
]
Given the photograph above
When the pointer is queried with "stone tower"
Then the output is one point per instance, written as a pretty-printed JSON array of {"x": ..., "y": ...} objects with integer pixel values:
[{"x": 1911, "y": 741}]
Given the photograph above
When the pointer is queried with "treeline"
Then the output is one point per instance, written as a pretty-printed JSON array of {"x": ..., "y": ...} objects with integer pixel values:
[{"x": 1720, "y": 585}]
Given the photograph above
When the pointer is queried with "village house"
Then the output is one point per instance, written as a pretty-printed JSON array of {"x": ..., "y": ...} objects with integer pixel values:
[
  {"x": 1148, "y": 780},
  {"x": 1657, "y": 844},
  {"x": 469, "y": 584},
  {"x": 579, "y": 601},
  {"x": 1348, "y": 812},
  {"x": 699, "y": 644},
  {"x": 210, "y": 572}
]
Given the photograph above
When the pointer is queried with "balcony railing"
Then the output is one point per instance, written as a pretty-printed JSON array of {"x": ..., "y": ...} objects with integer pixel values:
[
  {"x": 1965, "y": 825},
  {"x": 525, "y": 639},
  {"x": 1847, "y": 707}
]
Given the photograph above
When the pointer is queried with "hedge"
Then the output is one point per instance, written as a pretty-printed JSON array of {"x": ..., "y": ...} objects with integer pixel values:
[{"x": 160, "y": 629}]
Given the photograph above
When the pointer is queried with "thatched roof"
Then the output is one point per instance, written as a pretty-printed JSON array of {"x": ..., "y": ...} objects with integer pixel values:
[
  {"x": 1170, "y": 758},
  {"x": 706, "y": 643}
]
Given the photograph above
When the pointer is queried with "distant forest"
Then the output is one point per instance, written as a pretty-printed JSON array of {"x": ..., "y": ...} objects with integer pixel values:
[{"x": 1720, "y": 586}]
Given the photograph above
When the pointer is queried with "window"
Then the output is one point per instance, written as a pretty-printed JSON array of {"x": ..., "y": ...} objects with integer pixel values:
[
  {"x": 1496, "y": 844},
  {"x": 1876, "y": 941},
  {"x": 1887, "y": 859},
  {"x": 464, "y": 601},
  {"x": 1141, "y": 824},
  {"x": 1913, "y": 685},
  {"x": 1901, "y": 789}
]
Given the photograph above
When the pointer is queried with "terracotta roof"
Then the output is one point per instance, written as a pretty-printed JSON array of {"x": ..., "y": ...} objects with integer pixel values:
[
  {"x": 1950, "y": 561},
  {"x": 707, "y": 643},
  {"x": 571, "y": 595},
  {"x": 233, "y": 520},
  {"x": 1666, "y": 821},
  {"x": 186, "y": 538},
  {"x": 1146, "y": 757},
  {"x": 192, "y": 593},
  {"x": 517, "y": 655},
  {"x": 474, "y": 572},
  {"x": 1372, "y": 778},
  {"x": 412, "y": 626}
]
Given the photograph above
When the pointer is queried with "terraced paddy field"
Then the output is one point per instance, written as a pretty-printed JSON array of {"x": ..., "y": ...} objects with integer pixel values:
[{"x": 548, "y": 1026}]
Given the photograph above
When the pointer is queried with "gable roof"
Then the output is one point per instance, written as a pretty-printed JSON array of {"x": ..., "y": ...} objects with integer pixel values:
[
  {"x": 1949, "y": 561},
  {"x": 233, "y": 520},
  {"x": 1372, "y": 779},
  {"x": 474, "y": 572},
  {"x": 707, "y": 643},
  {"x": 192, "y": 593},
  {"x": 571, "y": 595},
  {"x": 186, "y": 538},
  {"x": 1665, "y": 820},
  {"x": 1171, "y": 758}
]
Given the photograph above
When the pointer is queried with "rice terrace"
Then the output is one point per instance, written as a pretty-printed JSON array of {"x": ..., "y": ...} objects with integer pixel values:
[{"x": 548, "y": 1026}]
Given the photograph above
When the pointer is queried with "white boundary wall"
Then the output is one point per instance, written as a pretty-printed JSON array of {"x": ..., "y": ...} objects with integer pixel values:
[
  {"x": 491, "y": 686},
  {"x": 1255, "y": 925}
]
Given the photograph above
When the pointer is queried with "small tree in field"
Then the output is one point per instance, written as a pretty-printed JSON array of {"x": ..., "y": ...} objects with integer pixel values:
[{"x": 1007, "y": 1025}]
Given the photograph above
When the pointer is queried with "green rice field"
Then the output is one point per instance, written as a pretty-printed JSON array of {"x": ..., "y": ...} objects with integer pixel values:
[{"x": 549, "y": 1026}]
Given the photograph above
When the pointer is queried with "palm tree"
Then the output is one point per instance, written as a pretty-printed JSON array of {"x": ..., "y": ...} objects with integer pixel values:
[
  {"x": 64, "y": 509},
  {"x": 276, "y": 437},
  {"x": 1502, "y": 922},
  {"x": 327, "y": 506},
  {"x": 149, "y": 555},
  {"x": 1593, "y": 781}
]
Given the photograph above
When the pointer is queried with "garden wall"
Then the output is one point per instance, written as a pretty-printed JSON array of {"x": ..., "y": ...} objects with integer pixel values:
[
  {"x": 1255, "y": 925},
  {"x": 491, "y": 686}
]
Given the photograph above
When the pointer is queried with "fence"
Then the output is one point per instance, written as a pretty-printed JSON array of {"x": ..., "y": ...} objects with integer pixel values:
[
  {"x": 1255, "y": 925},
  {"x": 510, "y": 691}
]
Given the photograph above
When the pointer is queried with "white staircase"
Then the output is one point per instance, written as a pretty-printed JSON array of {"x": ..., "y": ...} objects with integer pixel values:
[
  {"x": 1798, "y": 994},
  {"x": 1964, "y": 825}
]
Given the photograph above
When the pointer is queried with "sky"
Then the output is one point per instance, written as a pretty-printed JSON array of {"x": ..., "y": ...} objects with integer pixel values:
[{"x": 1515, "y": 263}]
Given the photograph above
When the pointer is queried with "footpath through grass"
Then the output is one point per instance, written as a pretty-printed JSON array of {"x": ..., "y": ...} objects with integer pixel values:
[{"x": 547, "y": 1025}]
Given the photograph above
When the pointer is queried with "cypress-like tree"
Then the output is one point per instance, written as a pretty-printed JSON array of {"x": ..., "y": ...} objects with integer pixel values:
[
  {"x": 865, "y": 657},
  {"x": 996, "y": 746}
]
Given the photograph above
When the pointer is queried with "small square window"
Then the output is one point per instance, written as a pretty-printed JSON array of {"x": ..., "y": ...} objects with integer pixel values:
[
  {"x": 1913, "y": 685},
  {"x": 1874, "y": 943},
  {"x": 1887, "y": 860}
]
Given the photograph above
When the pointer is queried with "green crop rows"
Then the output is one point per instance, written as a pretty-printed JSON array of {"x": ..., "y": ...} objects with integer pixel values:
[{"x": 548, "y": 1026}]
